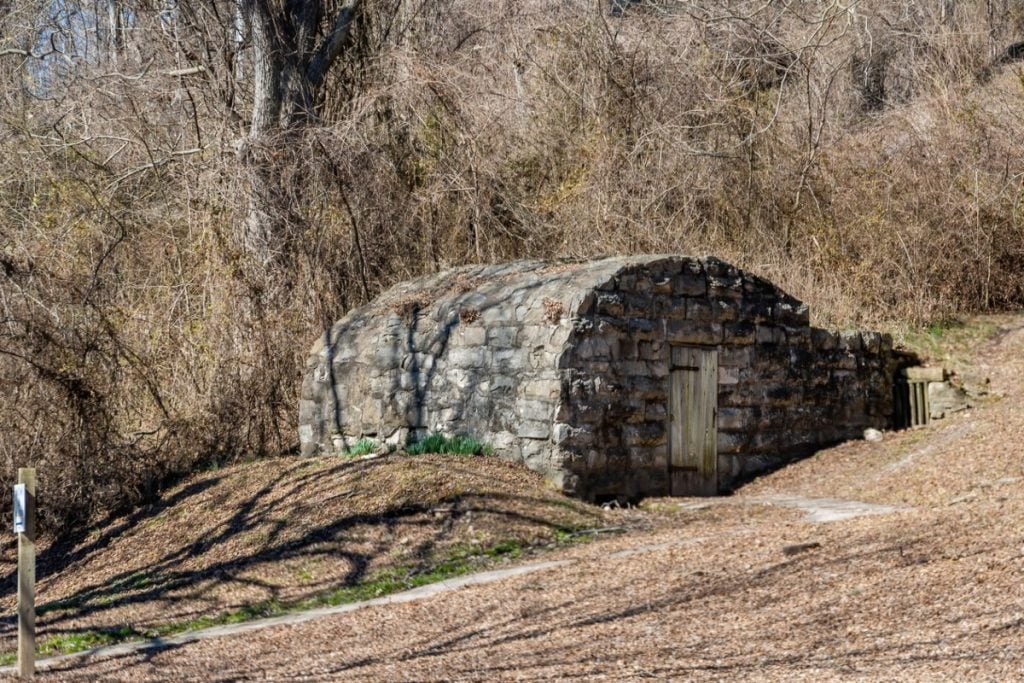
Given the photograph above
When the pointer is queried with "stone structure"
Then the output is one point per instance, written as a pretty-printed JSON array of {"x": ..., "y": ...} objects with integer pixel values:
[
  {"x": 620, "y": 377},
  {"x": 924, "y": 394}
]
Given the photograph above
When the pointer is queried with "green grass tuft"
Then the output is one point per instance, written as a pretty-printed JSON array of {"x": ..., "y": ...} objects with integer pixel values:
[
  {"x": 361, "y": 447},
  {"x": 456, "y": 445}
]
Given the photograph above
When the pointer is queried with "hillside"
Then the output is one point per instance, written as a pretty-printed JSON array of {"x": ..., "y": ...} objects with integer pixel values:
[
  {"x": 751, "y": 586},
  {"x": 260, "y": 538}
]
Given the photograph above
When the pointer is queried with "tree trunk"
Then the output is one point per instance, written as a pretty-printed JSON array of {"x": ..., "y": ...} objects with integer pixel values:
[
  {"x": 266, "y": 66},
  {"x": 289, "y": 69}
]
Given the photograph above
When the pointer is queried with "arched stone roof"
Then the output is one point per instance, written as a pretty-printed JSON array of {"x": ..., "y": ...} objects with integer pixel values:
[{"x": 562, "y": 365}]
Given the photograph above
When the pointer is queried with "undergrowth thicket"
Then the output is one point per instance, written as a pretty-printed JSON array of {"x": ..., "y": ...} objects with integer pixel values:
[{"x": 865, "y": 156}]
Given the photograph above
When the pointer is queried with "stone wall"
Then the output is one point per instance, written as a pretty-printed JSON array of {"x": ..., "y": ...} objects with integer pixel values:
[
  {"x": 564, "y": 366},
  {"x": 785, "y": 389},
  {"x": 473, "y": 351}
]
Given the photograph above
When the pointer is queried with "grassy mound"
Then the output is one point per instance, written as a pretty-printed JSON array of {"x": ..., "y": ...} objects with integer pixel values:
[{"x": 262, "y": 538}]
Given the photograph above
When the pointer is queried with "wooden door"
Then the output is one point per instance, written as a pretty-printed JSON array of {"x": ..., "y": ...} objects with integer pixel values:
[{"x": 693, "y": 420}]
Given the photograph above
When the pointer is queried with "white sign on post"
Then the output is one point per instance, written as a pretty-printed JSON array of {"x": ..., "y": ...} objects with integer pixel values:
[{"x": 19, "y": 508}]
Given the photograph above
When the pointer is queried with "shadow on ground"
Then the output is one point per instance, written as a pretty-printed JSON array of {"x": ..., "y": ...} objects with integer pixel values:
[{"x": 280, "y": 532}]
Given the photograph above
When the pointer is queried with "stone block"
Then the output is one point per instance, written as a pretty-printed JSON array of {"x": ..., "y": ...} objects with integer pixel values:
[
  {"x": 846, "y": 361},
  {"x": 700, "y": 309},
  {"x": 668, "y": 307},
  {"x": 798, "y": 337},
  {"x": 542, "y": 359},
  {"x": 628, "y": 410},
  {"x": 640, "y": 458},
  {"x": 932, "y": 374},
  {"x": 653, "y": 351},
  {"x": 769, "y": 334},
  {"x": 502, "y": 337},
  {"x": 871, "y": 342},
  {"x": 654, "y": 411},
  {"x": 716, "y": 266},
  {"x": 560, "y": 433},
  {"x": 583, "y": 304},
  {"x": 418, "y": 363},
  {"x": 732, "y": 442},
  {"x": 733, "y": 357},
  {"x": 596, "y": 460},
  {"x": 547, "y": 389},
  {"x": 532, "y": 335},
  {"x": 644, "y": 434},
  {"x": 638, "y": 368},
  {"x": 502, "y": 384},
  {"x": 690, "y": 284},
  {"x": 739, "y": 334},
  {"x": 610, "y": 328},
  {"x": 662, "y": 285},
  {"x": 691, "y": 332},
  {"x": 756, "y": 309},
  {"x": 783, "y": 395},
  {"x": 648, "y": 388},
  {"x": 629, "y": 349},
  {"x": 593, "y": 348},
  {"x": 637, "y": 305},
  {"x": 801, "y": 360},
  {"x": 534, "y": 429},
  {"x": 727, "y": 375},
  {"x": 537, "y": 454},
  {"x": 310, "y": 411},
  {"x": 725, "y": 287},
  {"x": 728, "y": 468},
  {"x": 387, "y": 357},
  {"x": 850, "y": 340},
  {"x": 659, "y": 456},
  {"x": 726, "y": 311},
  {"x": 769, "y": 441},
  {"x": 558, "y": 335},
  {"x": 791, "y": 313},
  {"x": 945, "y": 398},
  {"x": 643, "y": 328},
  {"x": 824, "y": 340},
  {"x": 471, "y": 335},
  {"x": 531, "y": 409},
  {"x": 610, "y": 305},
  {"x": 738, "y": 419},
  {"x": 471, "y": 357}
]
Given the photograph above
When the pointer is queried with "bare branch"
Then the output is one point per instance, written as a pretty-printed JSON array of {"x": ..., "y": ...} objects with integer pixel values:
[
  {"x": 189, "y": 71},
  {"x": 332, "y": 44}
]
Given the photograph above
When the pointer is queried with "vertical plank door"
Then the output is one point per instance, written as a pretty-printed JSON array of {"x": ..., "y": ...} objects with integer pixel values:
[{"x": 693, "y": 420}]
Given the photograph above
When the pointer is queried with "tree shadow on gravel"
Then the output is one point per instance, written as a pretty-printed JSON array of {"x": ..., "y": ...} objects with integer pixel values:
[{"x": 569, "y": 621}]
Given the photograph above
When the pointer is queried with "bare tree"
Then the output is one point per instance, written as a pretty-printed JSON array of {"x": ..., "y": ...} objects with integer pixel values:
[{"x": 294, "y": 45}]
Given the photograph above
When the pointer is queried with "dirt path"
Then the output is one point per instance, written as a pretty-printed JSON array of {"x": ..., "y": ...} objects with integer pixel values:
[{"x": 748, "y": 588}]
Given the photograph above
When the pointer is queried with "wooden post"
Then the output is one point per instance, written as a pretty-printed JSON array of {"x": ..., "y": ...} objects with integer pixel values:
[{"x": 27, "y": 578}]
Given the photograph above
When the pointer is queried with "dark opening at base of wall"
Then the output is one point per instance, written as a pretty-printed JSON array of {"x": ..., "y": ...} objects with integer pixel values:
[
  {"x": 910, "y": 401},
  {"x": 911, "y": 405}
]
